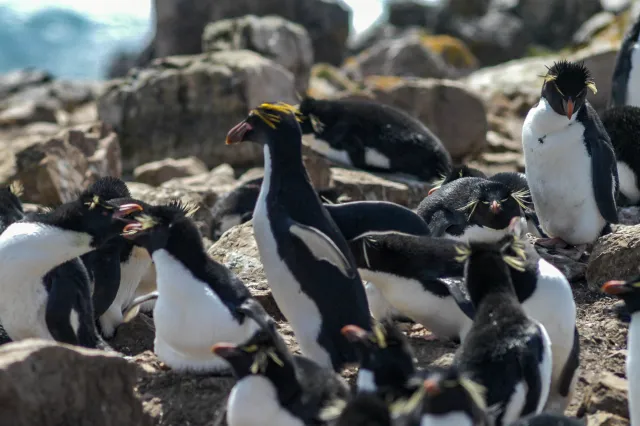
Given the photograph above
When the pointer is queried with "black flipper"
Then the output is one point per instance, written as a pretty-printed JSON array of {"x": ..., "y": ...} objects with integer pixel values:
[
  {"x": 104, "y": 265},
  {"x": 62, "y": 283},
  {"x": 571, "y": 366},
  {"x": 459, "y": 293},
  {"x": 530, "y": 362}
]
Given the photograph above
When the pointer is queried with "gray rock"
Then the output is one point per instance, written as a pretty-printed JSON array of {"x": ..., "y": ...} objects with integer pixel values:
[
  {"x": 283, "y": 42},
  {"x": 184, "y": 105},
  {"x": 602, "y": 418},
  {"x": 467, "y": 8},
  {"x": 26, "y": 113},
  {"x": 591, "y": 27},
  {"x": 18, "y": 80},
  {"x": 607, "y": 393},
  {"x": 412, "y": 13},
  {"x": 49, "y": 384},
  {"x": 629, "y": 215},
  {"x": 158, "y": 172},
  {"x": 614, "y": 257}
]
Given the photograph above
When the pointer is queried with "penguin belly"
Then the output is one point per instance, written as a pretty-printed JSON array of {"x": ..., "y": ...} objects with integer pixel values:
[
  {"x": 628, "y": 182},
  {"x": 559, "y": 176},
  {"x": 633, "y": 368},
  {"x": 456, "y": 418},
  {"x": 380, "y": 307},
  {"x": 633, "y": 83},
  {"x": 23, "y": 307},
  {"x": 254, "y": 401},
  {"x": 190, "y": 317},
  {"x": 441, "y": 315}
]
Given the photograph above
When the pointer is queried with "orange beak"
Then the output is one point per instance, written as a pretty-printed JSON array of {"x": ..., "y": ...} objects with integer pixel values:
[
  {"x": 223, "y": 349},
  {"x": 432, "y": 190},
  {"x": 353, "y": 333},
  {"x": 615, "y": 287},
  {"x": 236, "y": 134},
  {"x": 569, "y": 109},
  {"x": 495, "y": 207},
  {"x": 127, "y": 209},
  {"x": 432, "y": 387}
]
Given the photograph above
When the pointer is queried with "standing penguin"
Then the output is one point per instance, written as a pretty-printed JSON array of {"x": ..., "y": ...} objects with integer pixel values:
[
  {"x": 373, "y": 136},
  {"x": 505, "y": 351},
  {"x": 40, "y": 300},
  {"x": 275, "y": 387},
  {"x": 307, "y": 262},
  {"x": 199, "y": 302},
  {"x": 570, "y": 163},
  {"x": 625, "y": 87},
  {"x": 629, "y": 291}
]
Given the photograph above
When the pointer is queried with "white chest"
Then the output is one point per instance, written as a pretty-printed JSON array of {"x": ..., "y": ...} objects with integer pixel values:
[
  {"x": 633, "y": 368},
  {"x": 456, "y": 418},
  {"x": 628, "y": 182},
  {"x": 633, "y": 84},
  {"x": 253, "y": 401},
  {"x": 325, "y": 149},
  {"x": 479, "y": 234}
]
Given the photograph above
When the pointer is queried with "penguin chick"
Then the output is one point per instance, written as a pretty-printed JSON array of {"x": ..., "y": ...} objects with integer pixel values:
[
  {"x": 275, "y": 387},
  {"x": 622, "y": 124},
  {"x": 456, "y": 172},
  {"x": 200, "y": 302},
  {"x": 505, "y": 351},
  {"x": 629, "y": 291},
  {"x": 309, "y": 267},
  {"x": 386, "y": 358},
  {"x": 373, "y": 136},
  {"x": 625, "y": 86},
  {"x": 547, "y": 419},
  {"x": 35, "y": 303},
  {"x": 471, "y": 209},
  {"x": 570, "y": 163}
]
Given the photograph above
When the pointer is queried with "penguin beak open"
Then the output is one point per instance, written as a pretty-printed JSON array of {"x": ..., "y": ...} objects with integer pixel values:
[
  {"x": 568, "y": 107},
  {"x": 432, "y": 190},
  {"x": 614, "y": 287},
  {"x": 353, "y": 333},
  {"x": 495, "y": 207},
  {"x": 127, "y": 209},
  {"x": 131, "y": 229},
  {"x": 431, "y": 387},
  {"x": 224, "y": 350},
  {"x": 236, "y": 134}
]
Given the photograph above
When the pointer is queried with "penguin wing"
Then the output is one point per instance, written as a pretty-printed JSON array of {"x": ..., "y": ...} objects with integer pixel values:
[
  {"x": 104, "y": 267},
  {"x": 322, "y": 247},
  {"x": 460, "y": 296},
  {"x": 604, "y": 178},
  {"x": 530, "y": 364},
  {"x": 447, "y": 221}
]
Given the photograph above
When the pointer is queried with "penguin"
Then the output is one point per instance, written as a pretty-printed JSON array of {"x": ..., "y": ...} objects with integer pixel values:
[
  {"x": 518, "y": 184},
  {"x": 309, "y": 267},
  {"x": 456, "y": 172},
  {"x": 622, "y": 124},
  {"x": 275, "y": 387},
  {"x": 373, "y": 136},
  {"x": 365, "y": 409},
  {"x": 506, "y": 351},
  {"x": 629, "y": 292},
  {"x": 548, "y": 419},
  {"x": 117, "y": 267},
  {"x": 471, "y": 209},
  {"x": 235, "y": 208},
  {"x": 46, "y": 290},
  {"x": 625, "y": 86},
  {"x": 11, "y": 209},
  {"x": 200, "y": 302},
  {"x": 574, "y": 200}
]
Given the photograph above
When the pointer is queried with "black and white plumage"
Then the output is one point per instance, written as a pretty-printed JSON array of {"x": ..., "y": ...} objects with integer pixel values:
[
  {"x": 517, "y": 183},
  {"x": 570, "y": 163},
  {"x": 373, "y": 136},
  {"x": 629, "y": 291},
  {"x": 455, "y": 173},
  {"x": 45, "y": 287},
  {"x": 505, "y": 351},
  {"x": 200, "y": 302},
  {"x": 471, "y": 209},
  {"x": 622, "y": 124},
  {"x": 275, "y": 387},
  {"x": 625, "y": 86},
  {"x": 309, "y": 267},
  {"x": 547, "y": 419}
]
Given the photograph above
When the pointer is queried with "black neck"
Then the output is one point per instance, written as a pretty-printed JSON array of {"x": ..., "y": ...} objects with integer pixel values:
[{"x": 486, "y": 274}]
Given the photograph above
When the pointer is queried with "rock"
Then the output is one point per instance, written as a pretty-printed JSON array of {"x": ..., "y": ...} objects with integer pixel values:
[
  {"x": 22, "y": 114},
  {"x": 210, "y": 185},
  {"x": 606, "y": 419},
  {"x": 237, "y": 249},
  {"x": 442, "y": 106},
  {"x": 452, "y": 50},
  {"x": 467, "y": 7},
  {"x": 48, "y": 384},
  {"x": 629, "y": 215},
  {"x": 411, "y": 13},
  {"x": 284, "y": 42},
  {"x": 183, "y": 106},
  {"x": 607, "y": 393},
  {"x": 158, "y": 172},
  {"x": 55, "y": 169},
  {"x": 615, "y": 6},
  {"x": 318, "y": 168},
  {"x": 18, "y": 80},
  {"x": 590, "y": 28},
  {"x": 614, "y": 257}
]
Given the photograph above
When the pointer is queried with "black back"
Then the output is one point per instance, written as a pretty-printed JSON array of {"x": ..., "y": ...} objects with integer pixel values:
[
  {"x": 623, "y": 66},
  {"x": 547, "y": 419},
  {"x": 461, "y": 171},
  {"x": 353, "y": 124}
]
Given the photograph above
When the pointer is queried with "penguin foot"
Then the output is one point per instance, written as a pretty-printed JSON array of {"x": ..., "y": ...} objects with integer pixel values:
[{"x": 554, "y": 243}]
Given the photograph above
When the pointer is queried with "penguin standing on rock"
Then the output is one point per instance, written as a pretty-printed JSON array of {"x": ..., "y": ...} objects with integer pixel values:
[
  {"x": 625, "y": 87},
  {"x": 629, "y": 291},
  {"x": 45, "y": 292},
  {"x": 505, "y": 351},
  {"x": 570, "y": 163},
  {"x": 200, "y": 302},
  {"x": 373, "y": 136},
  {"x": 307, "y": 261}
]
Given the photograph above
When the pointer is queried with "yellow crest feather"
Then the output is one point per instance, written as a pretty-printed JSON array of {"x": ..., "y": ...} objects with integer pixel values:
[
  {"x": 592, "y": 86},
  {"x": 272, "y": 118},
  {"x": 16, "y": 188},
  {"x": 475, "y": 391},
  {"x": 463, "y": 253}
]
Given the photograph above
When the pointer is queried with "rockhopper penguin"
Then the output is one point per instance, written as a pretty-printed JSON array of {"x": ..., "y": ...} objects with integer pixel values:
[
  {"x": 40, "y": 300},
  {"x": 200, "y": 302},
  {"x": 373, "y": 136},
  {"x": 629, "y": 291},
  {"x": 625, "y": 87},
  {"x": 307, "y": 261},
  {"x": 570, "y": 163}
]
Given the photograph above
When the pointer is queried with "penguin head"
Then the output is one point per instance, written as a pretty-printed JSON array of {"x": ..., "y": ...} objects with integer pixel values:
[
  {"x": 566, "y": 85},
  {"x": 385, "y": 352},
  {"x": 153, "y": 228},
  {"x": 493, "y": 205},
  {"x": 455, "y": 173},
  {"x": 273, "y": 124},
  {"x": 629, "y": 291},
  {"x": 109, "y": 188},
  {"x": 11, "y": 209},
  {"x": 449, "y": 391}
]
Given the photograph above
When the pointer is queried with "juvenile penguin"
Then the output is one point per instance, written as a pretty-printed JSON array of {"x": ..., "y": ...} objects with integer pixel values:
[
  {"x": 373, "y": 136},
  {"x": 471, "y": 209},
  {"x": 309, "y": 267},
  {"x": 569, "y": 160},
  {"x": 622, "y": 124},
  {"x": 200, "y": 302},
  {"x": 629, "y": 291},
  {"x": 506, "y": 351},
  {"x": 625, "y": 87},
  {"x": 36, "y": 302},
  {"x": 275, "y": 387}
]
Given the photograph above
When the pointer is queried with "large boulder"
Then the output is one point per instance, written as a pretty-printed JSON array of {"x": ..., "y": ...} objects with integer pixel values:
[
  {"x": 614, "y": 257},
  {"x": 283, "y": 42},
  {"x": 158, "y": 172},
  {"x": 49, "y": 384},
  {"x": 185, "y": 105}
]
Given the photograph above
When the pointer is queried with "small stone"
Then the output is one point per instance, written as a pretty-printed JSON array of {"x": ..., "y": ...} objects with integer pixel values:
[{"x": 607, "y": 393}]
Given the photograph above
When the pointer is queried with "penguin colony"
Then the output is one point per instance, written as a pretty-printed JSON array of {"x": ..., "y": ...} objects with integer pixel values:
[{"x": 460, "y": 264}]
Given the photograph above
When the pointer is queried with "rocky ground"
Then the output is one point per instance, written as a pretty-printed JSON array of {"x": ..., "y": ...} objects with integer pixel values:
[{"x": 161, "y": 126}]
